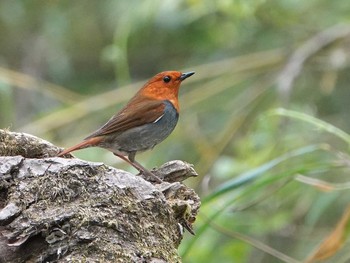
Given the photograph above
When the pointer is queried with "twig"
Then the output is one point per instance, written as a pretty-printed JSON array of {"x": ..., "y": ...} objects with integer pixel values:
[{"x": 304, "y": 52}]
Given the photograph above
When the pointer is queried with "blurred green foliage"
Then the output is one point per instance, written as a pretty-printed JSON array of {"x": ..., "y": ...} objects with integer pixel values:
[{"x": 67, "y": 66}]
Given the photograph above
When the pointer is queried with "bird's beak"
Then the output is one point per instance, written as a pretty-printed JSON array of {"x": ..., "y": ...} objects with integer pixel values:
[{"x": 186, "y": 75}]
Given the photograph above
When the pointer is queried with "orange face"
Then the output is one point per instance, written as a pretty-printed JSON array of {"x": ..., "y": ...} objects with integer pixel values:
[{"x": 165, "y": 86}]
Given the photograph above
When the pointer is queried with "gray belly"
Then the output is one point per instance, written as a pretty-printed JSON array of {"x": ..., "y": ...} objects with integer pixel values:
[{"x": 143, "y": 137}]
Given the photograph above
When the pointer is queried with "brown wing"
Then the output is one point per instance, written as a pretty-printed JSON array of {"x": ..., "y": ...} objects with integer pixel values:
[{"x": 136, "y": 113}]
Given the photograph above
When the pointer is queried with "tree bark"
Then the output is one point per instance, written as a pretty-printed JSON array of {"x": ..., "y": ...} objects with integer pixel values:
[{"x": 70, "y": 210}]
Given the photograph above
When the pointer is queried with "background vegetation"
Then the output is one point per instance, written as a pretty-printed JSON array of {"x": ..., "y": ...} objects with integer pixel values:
[{"x": 265, "y": 120}]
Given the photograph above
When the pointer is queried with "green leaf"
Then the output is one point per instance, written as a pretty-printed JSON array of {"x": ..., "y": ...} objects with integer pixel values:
[
  {"x": 322, "y": 125},
  {"x": 255, "y": 173}
]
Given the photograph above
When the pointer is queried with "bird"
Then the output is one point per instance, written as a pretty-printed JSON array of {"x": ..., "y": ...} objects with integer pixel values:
[{"x": 146, "y": 120}]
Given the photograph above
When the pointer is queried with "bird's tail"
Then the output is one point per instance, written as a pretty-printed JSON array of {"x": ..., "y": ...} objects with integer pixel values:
[{"x": 84, "y": 144}]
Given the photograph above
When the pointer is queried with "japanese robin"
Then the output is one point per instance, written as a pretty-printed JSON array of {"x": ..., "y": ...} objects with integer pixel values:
[{"x": 146, "y": 120}]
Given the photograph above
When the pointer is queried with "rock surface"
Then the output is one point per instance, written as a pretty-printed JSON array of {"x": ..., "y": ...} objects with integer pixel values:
[{"x": 69, "y": 210}]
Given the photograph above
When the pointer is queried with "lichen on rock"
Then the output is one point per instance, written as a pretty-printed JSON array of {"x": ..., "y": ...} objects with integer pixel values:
[{"x": 69, "y": 210}]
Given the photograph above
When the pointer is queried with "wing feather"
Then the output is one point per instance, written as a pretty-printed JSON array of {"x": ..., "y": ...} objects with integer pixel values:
[{"x": 135, "y": 113}]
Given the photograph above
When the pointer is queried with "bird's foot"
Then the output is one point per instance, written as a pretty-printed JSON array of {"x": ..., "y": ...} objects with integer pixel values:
[{"x": 149, "y": 175}]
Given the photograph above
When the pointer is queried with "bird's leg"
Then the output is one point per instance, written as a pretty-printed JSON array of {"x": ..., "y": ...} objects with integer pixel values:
[
  {"x": 128, "y": 161},
  {"x": 142, "y": 169},
  {"x": 131, "y": 160}
]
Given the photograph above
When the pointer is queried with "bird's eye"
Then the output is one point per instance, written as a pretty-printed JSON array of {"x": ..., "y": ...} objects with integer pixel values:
[{"x": 166, "y": 79}]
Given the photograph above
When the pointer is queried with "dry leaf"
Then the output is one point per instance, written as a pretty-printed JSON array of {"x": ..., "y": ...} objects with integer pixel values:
[
  {"x": 334, "y": 242},
  {"x": 319, "y": 184}
]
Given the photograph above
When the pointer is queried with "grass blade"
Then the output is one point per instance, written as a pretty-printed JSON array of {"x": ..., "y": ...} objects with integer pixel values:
[
  {"x": 322, "y": 125},
  {"x": 259, "y": 171}
]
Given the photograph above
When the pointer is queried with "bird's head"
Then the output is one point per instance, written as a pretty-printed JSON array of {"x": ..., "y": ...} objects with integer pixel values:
[{"x": 165, "y": 86}]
